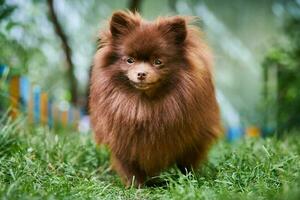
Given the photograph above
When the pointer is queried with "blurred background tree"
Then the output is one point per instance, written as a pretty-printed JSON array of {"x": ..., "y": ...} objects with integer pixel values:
[
  {"x": 283, "y": 63},
  {"x": 67, "y": 51},
  {"x": 14, "y": 52}
]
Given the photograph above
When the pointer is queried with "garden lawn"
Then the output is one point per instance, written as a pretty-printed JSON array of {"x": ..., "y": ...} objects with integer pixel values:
[{"x": 36, "y": 163}]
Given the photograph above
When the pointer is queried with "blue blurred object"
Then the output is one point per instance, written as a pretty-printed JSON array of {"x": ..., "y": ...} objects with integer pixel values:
[
  {"x": 70, "y": 115},
  {"x": 36, "y": 104},
  {"x": 234, "y": 133},
  {"x": 3, "y": 68},
  {"x": 24, "y": 93}
]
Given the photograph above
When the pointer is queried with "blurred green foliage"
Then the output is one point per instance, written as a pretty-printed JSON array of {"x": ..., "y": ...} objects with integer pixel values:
[
  {"x": 286, "y": 62},
  {"x": 5, "y": 10},
  {"x": 13, "y": 52},
  {"x": 27, "y": 45}
]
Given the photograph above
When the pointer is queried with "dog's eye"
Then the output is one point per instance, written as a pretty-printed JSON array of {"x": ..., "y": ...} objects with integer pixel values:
[
  {"x": 130, "y": 60},
  {"x": 157, "y": 62}
]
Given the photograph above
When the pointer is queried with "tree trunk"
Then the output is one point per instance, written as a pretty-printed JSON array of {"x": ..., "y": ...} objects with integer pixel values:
[
  {"x": 135, "y": 5},
  {"x": 67, "y": 51}
]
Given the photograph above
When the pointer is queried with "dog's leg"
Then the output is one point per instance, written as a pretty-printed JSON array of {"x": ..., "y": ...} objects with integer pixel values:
[
  {"x": 130, "y": 173},
  {"x": 191, "y": 160}
]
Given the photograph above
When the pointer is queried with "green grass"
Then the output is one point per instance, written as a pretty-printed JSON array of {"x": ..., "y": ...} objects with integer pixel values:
[{"x": 39, "y": 164}]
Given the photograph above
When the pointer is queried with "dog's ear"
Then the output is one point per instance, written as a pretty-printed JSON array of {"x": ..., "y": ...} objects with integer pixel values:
[
  {"x": 122, "y": 23},
  {"x": 175, "y": 28}
]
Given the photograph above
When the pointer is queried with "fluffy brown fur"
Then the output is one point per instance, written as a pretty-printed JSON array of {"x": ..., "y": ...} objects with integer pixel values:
[{"x": 170, "y": 115}]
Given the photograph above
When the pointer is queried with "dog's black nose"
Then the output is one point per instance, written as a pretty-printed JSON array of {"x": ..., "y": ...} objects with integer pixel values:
[{"x": 141, "y": 75}]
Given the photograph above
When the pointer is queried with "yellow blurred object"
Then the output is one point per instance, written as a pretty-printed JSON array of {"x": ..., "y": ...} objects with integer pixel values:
[
  {"x": 253, "y": 131},
  {"x": 44, "y": 108},
  {"x": 64, "y": 118}
]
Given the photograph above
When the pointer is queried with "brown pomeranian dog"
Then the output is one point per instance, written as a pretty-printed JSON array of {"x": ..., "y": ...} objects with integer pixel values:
[{"x": 152, "y": 97}]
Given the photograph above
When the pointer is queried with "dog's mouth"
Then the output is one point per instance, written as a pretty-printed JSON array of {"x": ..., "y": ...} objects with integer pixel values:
[{"x": 143, "y": 85}]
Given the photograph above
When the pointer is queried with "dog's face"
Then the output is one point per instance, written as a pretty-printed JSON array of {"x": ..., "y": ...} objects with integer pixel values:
[{"x": 148, "y": 53}]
